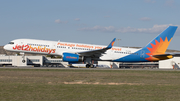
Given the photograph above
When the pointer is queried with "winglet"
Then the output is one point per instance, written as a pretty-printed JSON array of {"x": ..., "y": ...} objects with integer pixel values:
[{"x": 111, "y": 44}]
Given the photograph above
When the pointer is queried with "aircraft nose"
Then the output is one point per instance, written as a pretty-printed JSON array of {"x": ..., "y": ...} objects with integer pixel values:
[{"x": 5, "y": 47}]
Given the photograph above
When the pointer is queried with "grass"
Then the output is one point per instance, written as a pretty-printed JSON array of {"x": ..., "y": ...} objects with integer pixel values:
[{"x": 96, "y": 85}]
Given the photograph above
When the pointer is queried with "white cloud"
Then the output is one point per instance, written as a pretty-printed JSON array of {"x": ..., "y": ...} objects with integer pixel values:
[
  {"x": 99, "y": 28},
  {"x": 77, "y": 19},
  {"x": 169, "y": 3},
  {"x": 145, "y": 19},
  {"x": 59, "y": 21},
  {"x": 150, "y": 1},
  {"x": 155, "y": 29}
]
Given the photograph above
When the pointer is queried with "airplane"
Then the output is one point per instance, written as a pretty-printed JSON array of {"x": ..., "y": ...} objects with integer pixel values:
[{"x": 88, "y": 53}]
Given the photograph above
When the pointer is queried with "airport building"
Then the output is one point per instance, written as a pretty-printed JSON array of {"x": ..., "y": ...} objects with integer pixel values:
[
  {"x": 173, "y": 63},
  {"x": 42, "y": 61},
  {"x": 34, "y": 61}
]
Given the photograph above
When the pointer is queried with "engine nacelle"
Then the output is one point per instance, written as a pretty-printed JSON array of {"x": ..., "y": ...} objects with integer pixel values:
[{"x": 70, "y": 57}]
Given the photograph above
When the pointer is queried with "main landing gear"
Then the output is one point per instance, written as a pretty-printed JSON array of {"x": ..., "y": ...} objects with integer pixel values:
[{"x": 89, "y": 66}]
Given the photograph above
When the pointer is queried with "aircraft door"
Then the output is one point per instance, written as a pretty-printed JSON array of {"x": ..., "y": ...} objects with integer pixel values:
[{"x": 53, "y": 47}]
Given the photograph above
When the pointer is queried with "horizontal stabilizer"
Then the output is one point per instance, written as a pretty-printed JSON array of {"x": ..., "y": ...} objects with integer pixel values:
[{"x": 163, "y": 56}]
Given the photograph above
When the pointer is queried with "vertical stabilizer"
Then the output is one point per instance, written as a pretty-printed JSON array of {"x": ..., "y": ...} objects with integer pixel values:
[
  {"x": 157, "y": 46},
  {"x": 160, "y": 44}
]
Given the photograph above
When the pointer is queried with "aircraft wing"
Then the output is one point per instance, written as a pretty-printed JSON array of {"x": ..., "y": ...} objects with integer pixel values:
[{"x": 97, "y": 53}]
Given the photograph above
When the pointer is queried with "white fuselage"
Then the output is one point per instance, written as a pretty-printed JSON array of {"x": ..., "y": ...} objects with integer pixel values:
[{"x": 58, "y": 48}]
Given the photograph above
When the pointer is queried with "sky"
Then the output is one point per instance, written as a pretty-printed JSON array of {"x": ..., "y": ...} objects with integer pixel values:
[{"x": 134, "y": 22}]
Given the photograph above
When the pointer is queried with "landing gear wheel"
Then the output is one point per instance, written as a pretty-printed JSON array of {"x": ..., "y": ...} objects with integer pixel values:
[
  {"x": 23, "y": 61},
  {"x": 87, "y": 65},
  {"x": 92, "y": 66}
]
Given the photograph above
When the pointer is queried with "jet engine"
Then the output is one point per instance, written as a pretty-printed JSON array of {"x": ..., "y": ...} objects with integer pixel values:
[{"x": 70, "y": 57}]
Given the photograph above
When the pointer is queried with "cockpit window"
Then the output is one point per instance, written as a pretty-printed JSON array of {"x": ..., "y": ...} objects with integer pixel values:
[{"x": 11, "y": 43}]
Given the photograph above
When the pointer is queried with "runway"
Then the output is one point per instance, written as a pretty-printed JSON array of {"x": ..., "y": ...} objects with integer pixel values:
[{"x": 144, "y": 69}]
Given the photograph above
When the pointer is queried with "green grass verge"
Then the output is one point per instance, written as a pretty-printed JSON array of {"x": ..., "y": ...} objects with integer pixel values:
[{"x": 48, "y": 85}]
